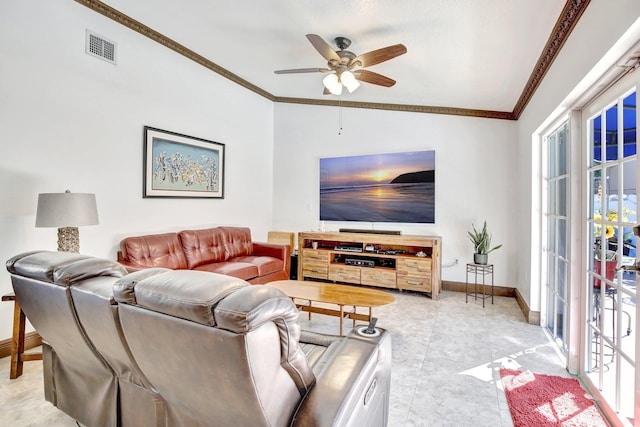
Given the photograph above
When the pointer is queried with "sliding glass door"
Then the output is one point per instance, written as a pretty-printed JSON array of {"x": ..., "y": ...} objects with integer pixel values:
[
  {"x": 557, "y": 233},
  {"x": 611, "y": 205}
]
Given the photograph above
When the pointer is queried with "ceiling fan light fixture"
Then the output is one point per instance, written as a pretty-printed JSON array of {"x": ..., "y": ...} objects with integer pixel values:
[
  {"x": 332, "y": 83},
  {"x": 349, "y": 80},
  {"x": 340, "y": 64}
]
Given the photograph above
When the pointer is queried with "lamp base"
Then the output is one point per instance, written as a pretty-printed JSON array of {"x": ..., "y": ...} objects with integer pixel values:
[{"x": 68, "y": 239}]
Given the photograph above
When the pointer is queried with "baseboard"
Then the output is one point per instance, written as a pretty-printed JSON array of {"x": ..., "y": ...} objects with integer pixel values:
[
  {"x": 31, "y": 340},
  {"x": 532, "y": 317},
  {"x": 499, "y": 291}
]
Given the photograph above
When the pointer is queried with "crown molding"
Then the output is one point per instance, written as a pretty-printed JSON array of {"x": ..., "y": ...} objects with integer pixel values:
[
  {"x": 568, "y": 19},
  {"x": 565, "y": 24},
  {"x": 407, "y": 108}
]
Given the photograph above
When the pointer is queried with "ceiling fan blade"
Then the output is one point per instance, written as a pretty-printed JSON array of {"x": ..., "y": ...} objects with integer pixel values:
[
  {"x": 380, "y": 55},
  {"x": 323, "y": 47},
  {"x": 373, "y": 78},
  {"x": 302, "y": 70},
  {"x": 326, "y": 91}
]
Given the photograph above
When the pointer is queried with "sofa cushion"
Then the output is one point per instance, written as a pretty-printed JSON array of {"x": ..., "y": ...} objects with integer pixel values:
[
  {"x": 203, "y": 246},
  {"x": 319, "y": 349},
  {"x": 241, "y": 270},
  {"x": 237, "y": 241},
  {"x": 266, "y": 264},
  {"x": 62, "y": 268},
  {"x": 154, "y": 250},
  {"x": 190, "y": 295},
  {"x": 124, "y": 290}
]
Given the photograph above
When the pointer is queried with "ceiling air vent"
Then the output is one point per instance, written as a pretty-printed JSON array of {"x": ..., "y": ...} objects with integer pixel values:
[{"x": 100, "y": 47}]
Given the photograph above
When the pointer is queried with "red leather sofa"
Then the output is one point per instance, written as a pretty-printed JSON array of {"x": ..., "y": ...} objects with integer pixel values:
[{"x": 222, "y": 250}]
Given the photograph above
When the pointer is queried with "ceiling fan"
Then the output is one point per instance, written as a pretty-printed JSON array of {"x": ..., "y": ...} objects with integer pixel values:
[{"x": 347, "y": 69}]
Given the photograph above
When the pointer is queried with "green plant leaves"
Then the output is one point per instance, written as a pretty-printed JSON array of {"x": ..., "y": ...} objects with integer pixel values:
[{"x": 481, "y": 240}]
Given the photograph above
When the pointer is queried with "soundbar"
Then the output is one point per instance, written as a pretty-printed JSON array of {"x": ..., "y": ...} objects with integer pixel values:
[{"x": 360, "y": 230}]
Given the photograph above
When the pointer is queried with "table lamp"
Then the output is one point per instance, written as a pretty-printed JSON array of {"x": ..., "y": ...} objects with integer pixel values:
[{"x": 67, "y": 211}]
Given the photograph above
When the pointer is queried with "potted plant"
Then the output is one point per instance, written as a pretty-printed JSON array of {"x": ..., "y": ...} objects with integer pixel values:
[
  {"x": 604, "y": 247},
  {"x": 481, "y": 240}
]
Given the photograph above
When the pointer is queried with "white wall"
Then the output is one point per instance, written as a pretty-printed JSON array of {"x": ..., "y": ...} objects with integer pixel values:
[
  {"x": 602, "y": 24},
  {"x": 71, "y": 121},
  {"x": 474, "y": 173}
]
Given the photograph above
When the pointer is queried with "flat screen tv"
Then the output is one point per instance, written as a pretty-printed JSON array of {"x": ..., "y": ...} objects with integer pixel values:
[{"x": 395, "y": 187}]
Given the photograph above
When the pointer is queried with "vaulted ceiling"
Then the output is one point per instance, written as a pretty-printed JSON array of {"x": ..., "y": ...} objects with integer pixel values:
[{"x": 467, "y": 57}]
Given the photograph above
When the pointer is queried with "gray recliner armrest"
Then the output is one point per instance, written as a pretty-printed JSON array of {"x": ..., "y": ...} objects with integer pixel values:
[{"x": 353, "y": 387}]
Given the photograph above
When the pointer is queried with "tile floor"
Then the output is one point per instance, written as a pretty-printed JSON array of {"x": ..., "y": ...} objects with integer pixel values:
[{"x": 446, "y": 356}]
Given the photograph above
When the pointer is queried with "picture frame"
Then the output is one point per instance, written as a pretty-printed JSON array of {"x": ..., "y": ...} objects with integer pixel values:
[{"x": 182, "y": 166}]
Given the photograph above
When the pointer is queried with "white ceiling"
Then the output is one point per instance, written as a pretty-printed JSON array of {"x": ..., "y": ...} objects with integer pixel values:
[{"x": 472, "y": 54}]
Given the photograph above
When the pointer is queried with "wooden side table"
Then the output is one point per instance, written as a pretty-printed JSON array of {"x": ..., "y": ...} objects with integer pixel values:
[
  {"x": 479, "y": 270},
  {"x": 18, "y": 355}
]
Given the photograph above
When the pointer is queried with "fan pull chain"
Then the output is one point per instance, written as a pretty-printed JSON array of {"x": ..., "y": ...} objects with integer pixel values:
[{"x": 340, "y": 119}]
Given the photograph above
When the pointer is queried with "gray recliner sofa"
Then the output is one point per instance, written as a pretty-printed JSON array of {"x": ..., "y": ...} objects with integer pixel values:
[{"x": 163, "y": 347}]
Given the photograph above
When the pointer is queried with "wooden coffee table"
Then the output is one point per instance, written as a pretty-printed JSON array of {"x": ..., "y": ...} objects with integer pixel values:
[{"x": 340, "y": 295}]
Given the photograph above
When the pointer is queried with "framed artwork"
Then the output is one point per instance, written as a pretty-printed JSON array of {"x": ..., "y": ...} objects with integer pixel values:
[{"x": 177, "y": 165}]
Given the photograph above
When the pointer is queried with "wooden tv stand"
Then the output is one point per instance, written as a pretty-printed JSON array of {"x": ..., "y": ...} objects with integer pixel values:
[{"x": 388, "y": 261}]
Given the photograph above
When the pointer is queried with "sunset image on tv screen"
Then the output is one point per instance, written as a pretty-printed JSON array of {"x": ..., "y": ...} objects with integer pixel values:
[{"x": 396, "y": 187}]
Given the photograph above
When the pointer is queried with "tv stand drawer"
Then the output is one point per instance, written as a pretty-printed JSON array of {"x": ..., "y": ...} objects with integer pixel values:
[
  {"x": 342, "y": 273},
  {"x": 378, "y": 277}
]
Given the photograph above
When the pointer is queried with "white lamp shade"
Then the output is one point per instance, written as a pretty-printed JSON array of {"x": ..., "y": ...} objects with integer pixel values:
[
  {"x": 332, "y": 83},
  {"x": 66, "y": 210},
  {"x": 349, "y": 80}
]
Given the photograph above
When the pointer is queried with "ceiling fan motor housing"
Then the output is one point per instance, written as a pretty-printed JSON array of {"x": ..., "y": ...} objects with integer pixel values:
[
  {"x": 342, "y": 42},
  {"x": 345, "y": 59}
]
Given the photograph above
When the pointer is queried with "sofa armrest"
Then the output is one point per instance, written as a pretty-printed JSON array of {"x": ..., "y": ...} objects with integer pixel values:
[
  {"x": 274, "y": 250},
  {"x": 353, "y": 387}
]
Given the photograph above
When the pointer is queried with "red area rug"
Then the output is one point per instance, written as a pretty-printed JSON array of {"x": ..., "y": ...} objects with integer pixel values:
[{"x": 545, "y": 400}]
